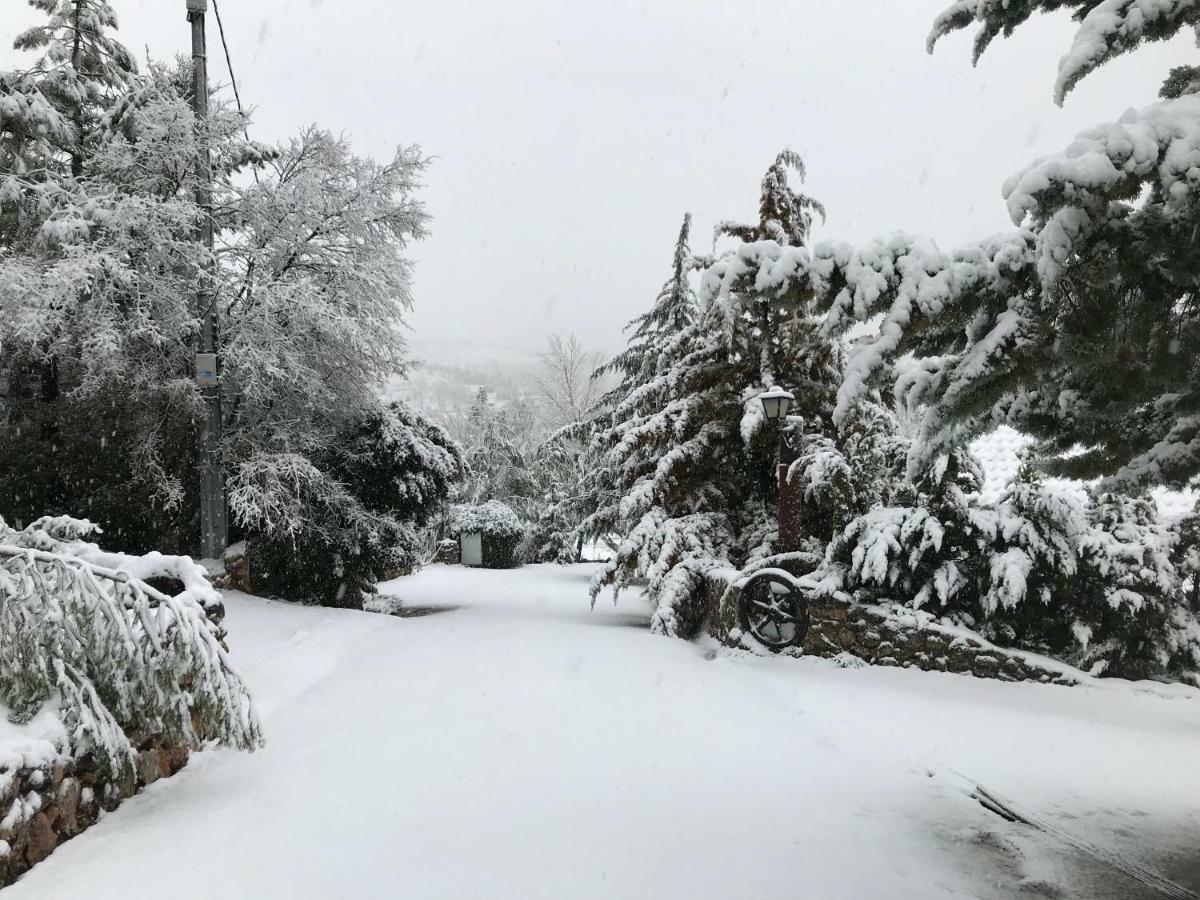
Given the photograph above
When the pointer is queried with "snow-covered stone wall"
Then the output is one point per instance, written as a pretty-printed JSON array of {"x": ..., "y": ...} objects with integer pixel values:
[
  {"x": 889, "y": 637},
  {"x": 47, "y": 797}
]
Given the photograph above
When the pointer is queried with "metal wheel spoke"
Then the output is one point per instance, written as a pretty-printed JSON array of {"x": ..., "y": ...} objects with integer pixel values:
[{"x": 769, "y": 609}]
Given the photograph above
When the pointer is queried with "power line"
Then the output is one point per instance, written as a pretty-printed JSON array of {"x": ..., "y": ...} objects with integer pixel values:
[{"x": 229, "y": 68}]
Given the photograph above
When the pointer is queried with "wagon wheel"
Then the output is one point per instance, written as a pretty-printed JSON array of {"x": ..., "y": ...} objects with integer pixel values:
[{"x": 773, "y": 611}]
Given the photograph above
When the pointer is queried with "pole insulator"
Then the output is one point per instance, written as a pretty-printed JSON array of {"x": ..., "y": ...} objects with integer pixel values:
[{"x": 197, "y": 6}]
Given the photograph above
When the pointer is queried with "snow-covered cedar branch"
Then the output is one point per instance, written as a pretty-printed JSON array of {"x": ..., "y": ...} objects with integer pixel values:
[
  {"x": 674, "y": 555},
  {"x": 1000, "y": 328},
  {"x": 124, "y": 660},
  {"x": 1107, "y": 28}
]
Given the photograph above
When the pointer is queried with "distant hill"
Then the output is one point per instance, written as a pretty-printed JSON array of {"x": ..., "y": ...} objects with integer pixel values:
[{"x": 446, "y": 375}]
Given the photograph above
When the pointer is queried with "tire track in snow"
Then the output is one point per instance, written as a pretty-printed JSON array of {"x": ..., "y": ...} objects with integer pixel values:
[{"x": 1006, "y": 809}]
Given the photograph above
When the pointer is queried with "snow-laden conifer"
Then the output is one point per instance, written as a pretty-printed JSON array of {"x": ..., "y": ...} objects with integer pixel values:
[
  {"x": 1187, "y": 556},
  {"x": 1079, "y": 328},
  {"x": 684, "y": 464}
]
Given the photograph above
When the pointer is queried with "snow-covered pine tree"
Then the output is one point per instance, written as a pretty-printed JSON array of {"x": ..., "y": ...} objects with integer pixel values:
[
  {"x": 685, "y": 445},
  {"x": 59, "y": 107},
  {"x": 55, "y": 116},
  {"x": 554, "y": 534},
  {"x": 657, "y": 339},
  {"x": 784, "y": 215},
  {"x": 569, "y": 389}
]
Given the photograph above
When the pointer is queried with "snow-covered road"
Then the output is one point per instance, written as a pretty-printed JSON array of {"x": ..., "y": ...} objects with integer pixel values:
[{"x": 520, "y": 746}]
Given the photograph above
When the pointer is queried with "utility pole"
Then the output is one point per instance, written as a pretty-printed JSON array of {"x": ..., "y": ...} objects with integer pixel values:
[{"x": 213, "y": 528}]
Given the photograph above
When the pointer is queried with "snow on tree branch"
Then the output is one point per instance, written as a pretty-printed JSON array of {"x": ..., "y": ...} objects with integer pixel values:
[
  {"x": 1068, "y": 193},
  {"x": 1107, "y": 28},
  {"x": 121, "y": 657}
]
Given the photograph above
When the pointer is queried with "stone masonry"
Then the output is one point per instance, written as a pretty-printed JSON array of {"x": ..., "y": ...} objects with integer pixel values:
[
  {"x": 886, "y": 636},
  {"x": 43, "y": 804}
]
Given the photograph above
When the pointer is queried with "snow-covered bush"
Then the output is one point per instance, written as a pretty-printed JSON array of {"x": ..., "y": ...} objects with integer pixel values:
[
  {"x": 1092, "y": 584},
  {"x": 327, "y": 533},
  {"x": 923, "y": 550},
  {"x": 84, "y": 629},
  {"x": 1128, "y": 594},
  {"x": 57, "y": 459},
  {"x": 501, "y": 530}
]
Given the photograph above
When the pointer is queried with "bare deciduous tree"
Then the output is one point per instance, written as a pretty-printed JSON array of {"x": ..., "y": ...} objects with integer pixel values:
[{"x": 566, "y": 381}]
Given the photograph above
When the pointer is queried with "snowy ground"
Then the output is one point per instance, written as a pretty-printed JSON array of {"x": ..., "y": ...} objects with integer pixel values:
[{"x": 521, "y": 746}]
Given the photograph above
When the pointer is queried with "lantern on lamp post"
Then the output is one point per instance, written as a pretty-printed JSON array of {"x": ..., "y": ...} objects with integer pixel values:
[{"x": 776, "y": 402}]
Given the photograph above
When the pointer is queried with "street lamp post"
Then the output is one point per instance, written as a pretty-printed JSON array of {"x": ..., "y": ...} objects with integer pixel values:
[
  {"x": 772, "y": 608},
  {"x": 776, "y": 402}
]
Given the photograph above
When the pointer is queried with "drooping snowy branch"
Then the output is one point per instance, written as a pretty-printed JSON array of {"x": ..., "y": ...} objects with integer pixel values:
[
  {"x": 1107, "y": 28},
  {"x": 123, "y": 658},
  {"x": 1067, "y": 194}
]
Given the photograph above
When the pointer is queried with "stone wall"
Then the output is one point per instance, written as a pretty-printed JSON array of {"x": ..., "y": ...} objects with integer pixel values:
[
  {"x": 236, "y": 576},
  {"x": 448, "y": 553},
  {"x": 47, "y": 800},
  {"x": 886, "y": 636}
]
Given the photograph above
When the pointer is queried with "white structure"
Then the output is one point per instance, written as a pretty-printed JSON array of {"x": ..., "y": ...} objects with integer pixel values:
[{"x": 471, "y": 549}]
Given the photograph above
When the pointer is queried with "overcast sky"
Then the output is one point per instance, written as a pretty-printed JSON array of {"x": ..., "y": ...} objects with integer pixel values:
[{"x": 570, "y": 137}]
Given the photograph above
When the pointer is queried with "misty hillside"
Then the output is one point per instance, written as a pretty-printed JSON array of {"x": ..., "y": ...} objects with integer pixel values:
[{"x": 446, "y": 375}]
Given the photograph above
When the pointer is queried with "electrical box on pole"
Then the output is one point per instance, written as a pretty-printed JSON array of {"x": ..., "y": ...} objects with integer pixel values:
[{"x": 213, "y": 526}]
